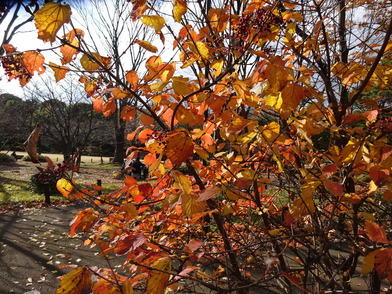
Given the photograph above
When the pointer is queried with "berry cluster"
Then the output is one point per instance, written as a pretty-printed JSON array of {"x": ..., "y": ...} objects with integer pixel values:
[
  {"x": 257, "y": 24},
  {"x": 14, "y": 67},
  {"x": 382, "y": 124}
]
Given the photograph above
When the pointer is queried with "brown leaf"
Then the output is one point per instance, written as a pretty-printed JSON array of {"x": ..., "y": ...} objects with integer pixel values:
[{"x": 31, "y": 144}]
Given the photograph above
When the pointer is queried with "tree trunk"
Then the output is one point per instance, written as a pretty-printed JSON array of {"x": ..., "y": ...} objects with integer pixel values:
[{"x": 119, "y": 152}]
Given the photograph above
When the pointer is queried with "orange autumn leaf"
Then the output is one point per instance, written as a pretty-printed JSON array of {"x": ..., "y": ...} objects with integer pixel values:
[
  {"x": 179, "y": 148},
  {"x": 132, "y": 78},
  {"x": 376, "y": 233},
  {"x": 50, "y": 18},
  {"x": 84, "y": 220},
  {"x": 146, "y": 120},
  {"x": 128, "y": 113},
  {"x": 93, "y": 61},
  {"x": 109, "y": 108},
  {"x": 98, "y": 104},
  {"x": 75, "y": 282},
  {"x": 59, "y": 71},
  {"x": 34, "y": 61}
]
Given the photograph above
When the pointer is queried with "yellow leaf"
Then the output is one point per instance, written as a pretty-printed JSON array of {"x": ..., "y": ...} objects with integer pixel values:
[
  {"x": 155, "y": 21},
  {"x": 190, "y": 205},
  {"x": 147, "y": 45},
  {"x": 183, "y": 181},
  {"x": 158, "y": 280},
  {"x": 200, "y": 49},
  {"x": 64, "y": 186},
  {"x": 59, "y": 71},
  {"x": 180, "y": 86},
  {"x": 127, "y": 287},
  {"x": 179, "y": 9},
  {"x": 159, "y": 86},
  {"x": 368, "y": 262},
  {"x": 274, "y": 101},
  {"x": 90, "y": 64},
  {"x": 50, "y": 18},
  {"x": 75, "y": 282}
]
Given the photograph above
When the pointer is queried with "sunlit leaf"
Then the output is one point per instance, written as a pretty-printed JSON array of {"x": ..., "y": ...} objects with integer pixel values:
[
  {"x": 183, "y": 181},
  {"x": 64, "y": 186},
  {"x": 128, "y": 113},
  {"x": 50, "y": 18},
  {"x": 190, "y": 205},
  {"x": 84, "y": 220},
  {"x": 155, "y": 21},
  {"x": 200, "y": 49},
  {"x": 179, "y": 148},
  {"x": 109, "y": 108},
  {"x": 33, "y": 61},
  {"x": 159, "y": 278},
  {"x": 75, "y": 282},
  {"x": 147, "y": 45},
  {"x": 180, "y": 86},
  {"x": 179, "y": 9},
  {"x": 59, "y": 71}
]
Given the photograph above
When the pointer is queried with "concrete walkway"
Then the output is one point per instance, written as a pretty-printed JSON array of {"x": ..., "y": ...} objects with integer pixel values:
[{"x": 33, "y": 245}]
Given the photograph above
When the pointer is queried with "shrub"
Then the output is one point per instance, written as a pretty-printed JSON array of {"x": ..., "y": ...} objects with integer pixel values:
[
  {"x": 6, "y": 158},
  {"x": 41, "y": 158}
]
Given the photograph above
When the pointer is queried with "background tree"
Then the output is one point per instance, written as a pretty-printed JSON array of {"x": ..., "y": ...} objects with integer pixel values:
[
  {"x": 67, "y": 116},
  {"x": 15, "y": 128}
]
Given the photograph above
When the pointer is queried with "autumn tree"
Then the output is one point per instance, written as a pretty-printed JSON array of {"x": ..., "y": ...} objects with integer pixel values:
[{"x": 263, "y": 176}]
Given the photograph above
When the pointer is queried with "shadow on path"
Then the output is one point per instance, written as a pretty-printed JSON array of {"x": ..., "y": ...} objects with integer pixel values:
[{"x": 34, "y": 243}]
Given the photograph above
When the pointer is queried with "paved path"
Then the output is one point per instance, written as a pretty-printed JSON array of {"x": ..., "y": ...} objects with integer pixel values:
[{"x": 33, "y": 245}]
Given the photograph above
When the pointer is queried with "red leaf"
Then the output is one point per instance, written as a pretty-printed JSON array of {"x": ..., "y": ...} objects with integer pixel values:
[
  {"x": 209, "y": 193},
  {"x": 129, "y": 243},
  {"x": 376, "y": 233},
  {"x": 334, "y": 187},
  {"x": 145, "y": 189},
  {"x": 329, "y": 170},
  {"x": 194, "y": 244},
  {"x": 383, "y": 264}
]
